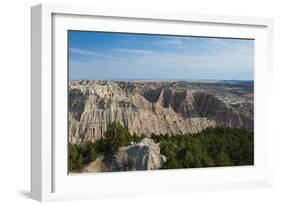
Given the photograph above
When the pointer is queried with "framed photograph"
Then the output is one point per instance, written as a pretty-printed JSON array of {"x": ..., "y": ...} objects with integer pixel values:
[{"x": 136, "y": 102}]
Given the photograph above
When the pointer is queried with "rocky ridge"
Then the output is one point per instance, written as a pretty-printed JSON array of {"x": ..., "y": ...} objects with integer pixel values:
[
  {"x": 147, "y": 108},
  {"x": 141, "y": 156}
]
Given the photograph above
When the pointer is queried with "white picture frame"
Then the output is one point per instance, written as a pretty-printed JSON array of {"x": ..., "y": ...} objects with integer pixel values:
[{"x": 49, "y": 178}]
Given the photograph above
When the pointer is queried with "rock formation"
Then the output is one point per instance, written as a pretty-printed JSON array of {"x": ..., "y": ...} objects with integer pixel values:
[
  {"x": 148, "y": 107},
  {"x": 142, "y": 156}
]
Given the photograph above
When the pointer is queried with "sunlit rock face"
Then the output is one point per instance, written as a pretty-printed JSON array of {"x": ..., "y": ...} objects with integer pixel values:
[
  {"x": 152, "y": 107},
  {"x": 141, "y": 156}
]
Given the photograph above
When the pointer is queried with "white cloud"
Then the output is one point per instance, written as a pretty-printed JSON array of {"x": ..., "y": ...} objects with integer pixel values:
[
  {"x": 175, "y": 41},
  {"x": 135, "y": 51},
  {"x": 214, "y": 59},
  {"x": 91, "y": 53},
  {"x": 83, "y": 52}
]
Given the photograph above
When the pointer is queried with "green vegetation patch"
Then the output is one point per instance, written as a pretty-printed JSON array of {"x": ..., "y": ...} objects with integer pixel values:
[{"x": 213, "y": 147}]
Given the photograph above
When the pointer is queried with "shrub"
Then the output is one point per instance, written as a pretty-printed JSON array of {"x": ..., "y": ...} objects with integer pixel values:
[{"x": 219, "y": 146}]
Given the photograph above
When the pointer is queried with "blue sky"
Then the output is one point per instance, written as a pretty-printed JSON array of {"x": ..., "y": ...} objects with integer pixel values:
[{"x": 109, "y": 56}]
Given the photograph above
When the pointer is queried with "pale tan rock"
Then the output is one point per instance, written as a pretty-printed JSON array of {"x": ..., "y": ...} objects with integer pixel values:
[
  {"x": 146, "y": 110},
  {"x": 141, "y": 156}
]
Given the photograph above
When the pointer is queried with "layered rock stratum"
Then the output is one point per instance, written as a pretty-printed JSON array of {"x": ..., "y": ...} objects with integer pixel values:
[
  {"x": 158, "y": 107},
  {"x": 141, "y": 156}
]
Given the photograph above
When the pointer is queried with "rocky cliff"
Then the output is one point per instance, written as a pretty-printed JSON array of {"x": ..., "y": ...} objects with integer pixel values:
[
  {"x": 142, "y": 156},
  {"x": 148, "y": 107}
]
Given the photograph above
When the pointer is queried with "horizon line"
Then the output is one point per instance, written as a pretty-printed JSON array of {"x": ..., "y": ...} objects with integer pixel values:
[{"x": 147, "y": 79}]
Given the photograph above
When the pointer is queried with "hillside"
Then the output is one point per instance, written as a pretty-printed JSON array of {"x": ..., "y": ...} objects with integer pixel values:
[{"x": 156, "y": 107}]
